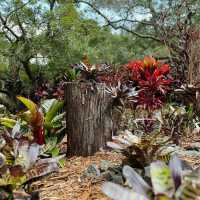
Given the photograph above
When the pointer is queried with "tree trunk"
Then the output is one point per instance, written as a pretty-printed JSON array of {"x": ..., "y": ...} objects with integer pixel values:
[
  {"x": 194, "y": 63},
  {"x": 88, "y": 117}
]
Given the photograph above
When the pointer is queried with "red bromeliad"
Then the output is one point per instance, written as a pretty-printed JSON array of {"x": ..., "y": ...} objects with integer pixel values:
[{"x": 153, "y": 81}]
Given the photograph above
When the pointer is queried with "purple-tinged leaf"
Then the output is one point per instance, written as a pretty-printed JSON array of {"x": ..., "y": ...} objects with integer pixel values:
[
  {"x": 136, "y": 181},
  {"x": 176, "y": 168},
  {"x": 117, "y": 192}
]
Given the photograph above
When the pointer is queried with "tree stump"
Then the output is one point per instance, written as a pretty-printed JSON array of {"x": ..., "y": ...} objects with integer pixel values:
[
  {"x": 88, "y": 117},
  {"x": 194, "y": 66},
  {"x": 194, "y": 63}
]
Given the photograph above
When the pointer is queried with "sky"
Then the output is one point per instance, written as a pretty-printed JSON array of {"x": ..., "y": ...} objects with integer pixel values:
[{"x": 111, "y": 14}]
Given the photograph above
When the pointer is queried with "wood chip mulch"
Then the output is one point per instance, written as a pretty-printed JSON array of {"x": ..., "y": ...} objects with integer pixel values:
[{"x": 67, "y": 184}]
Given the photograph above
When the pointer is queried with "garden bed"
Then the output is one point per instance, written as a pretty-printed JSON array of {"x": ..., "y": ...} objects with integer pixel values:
[{"x": 68, "y": 184}]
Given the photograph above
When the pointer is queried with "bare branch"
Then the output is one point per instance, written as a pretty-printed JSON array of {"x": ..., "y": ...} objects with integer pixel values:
[
  {"x": 112, "y": 24},
  {"x": 3, "y": 21},
  {"x": 132, "y": 21}
]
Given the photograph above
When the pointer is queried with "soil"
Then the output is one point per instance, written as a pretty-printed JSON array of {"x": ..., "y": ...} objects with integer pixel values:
[{"x": 67, "y": 184}]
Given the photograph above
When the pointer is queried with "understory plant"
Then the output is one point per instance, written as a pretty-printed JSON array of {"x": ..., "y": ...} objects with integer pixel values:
[
  {"x": 171, "y": 182},
  {"x": 140, "y": 151},
  {"x": 158, "y": 124},
  {"x": 26, "y": 138},
  {"x": 152, "y": 80},
  {"x": 44, "y": 122}
]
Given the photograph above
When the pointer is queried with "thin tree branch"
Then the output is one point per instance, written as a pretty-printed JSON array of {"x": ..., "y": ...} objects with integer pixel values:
[
  {"x": 132, "y": 21},
  {"x": 109, "y": 22},
  {"x": 3, "y": 21}
]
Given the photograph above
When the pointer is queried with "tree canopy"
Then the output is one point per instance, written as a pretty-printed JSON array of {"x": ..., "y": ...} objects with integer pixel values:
[{"x": 46, "y": 36}]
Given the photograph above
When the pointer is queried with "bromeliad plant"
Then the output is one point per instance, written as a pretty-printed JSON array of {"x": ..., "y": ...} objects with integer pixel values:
[
  {"x": 35, "y": 119},
  {"x": 43, "y": 125},
  {"x": 140, "y": 151},
  {"x": 46, "y": 120},
  {"x": 25, "y": 138},
  {"x": 167, "y": 183}
]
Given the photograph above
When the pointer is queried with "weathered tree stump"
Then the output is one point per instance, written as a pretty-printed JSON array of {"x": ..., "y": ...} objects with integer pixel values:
[
  {"x": 194, "y": 66},
  {"x": 88, "y": 117},
  {"x": 194, "y": 63}
]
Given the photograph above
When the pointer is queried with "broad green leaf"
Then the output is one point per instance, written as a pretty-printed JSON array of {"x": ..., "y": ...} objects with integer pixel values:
[
  {"x": 46, "y": 104},
  {"x": 58, "y": 117},
  {"x": 162, "y": 180},
  {"x": 53, "y": 111}
]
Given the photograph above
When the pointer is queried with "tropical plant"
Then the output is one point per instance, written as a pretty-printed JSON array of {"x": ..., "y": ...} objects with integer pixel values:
[
  {"x": 177, "y": 121},
  {"x": 54, "y": 125},
  {"x": 20, "y": 159},
  {"x": 28, "y": 136},
  {"x": 46, "y": 123},
  {"x": 167, "y": 183},
  {"x": 142, "y": 150},
  {"x": 152, "y": 80},
  {"x": 35, "y": 119}
]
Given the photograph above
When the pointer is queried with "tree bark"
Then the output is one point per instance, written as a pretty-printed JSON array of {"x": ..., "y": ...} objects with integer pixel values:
[
  {"x": 194, "y": 67},
  {"x": 194, "y": 63},
  {"x": 88, "y": 117}
]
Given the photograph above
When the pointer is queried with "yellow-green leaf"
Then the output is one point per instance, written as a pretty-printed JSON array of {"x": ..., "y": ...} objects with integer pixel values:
[
  {"x": 161, "y": 178},
  {"x": 10, "y": 123},
  {"x": 29, "y": 104}
]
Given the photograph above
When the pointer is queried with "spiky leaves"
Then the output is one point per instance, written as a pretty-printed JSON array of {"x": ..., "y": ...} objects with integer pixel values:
[
  {"x": 53, "y": 117},
  {"x": 141, "y": 151},
  {"x": 152, "y": 80}
]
